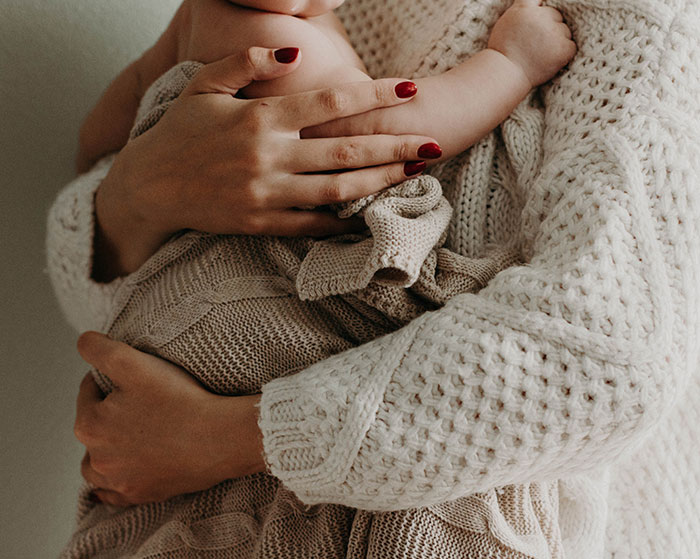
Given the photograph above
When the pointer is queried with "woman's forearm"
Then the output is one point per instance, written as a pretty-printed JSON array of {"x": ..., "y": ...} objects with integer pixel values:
[{"x": 124, "y": 237}]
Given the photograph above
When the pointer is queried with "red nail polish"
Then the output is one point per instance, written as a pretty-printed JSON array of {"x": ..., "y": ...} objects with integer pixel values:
[
  {"x": 414, "y": 167},
  {"x": 430, "y": 151},
  {"x": 286, "y": 55},
  {"x": 405, "y": 90}
]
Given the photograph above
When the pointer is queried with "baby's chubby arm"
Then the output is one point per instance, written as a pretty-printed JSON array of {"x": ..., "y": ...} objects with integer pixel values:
[{"x": 528, "y": 46}]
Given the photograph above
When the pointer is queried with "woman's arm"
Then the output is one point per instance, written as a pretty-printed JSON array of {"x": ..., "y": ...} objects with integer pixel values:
[{"x": 556, "y": 367}]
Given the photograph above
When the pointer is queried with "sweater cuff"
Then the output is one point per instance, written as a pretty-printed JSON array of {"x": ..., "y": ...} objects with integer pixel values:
[
  {"x": 315, "y": 422},
  {"x": 69, "y": 245}
]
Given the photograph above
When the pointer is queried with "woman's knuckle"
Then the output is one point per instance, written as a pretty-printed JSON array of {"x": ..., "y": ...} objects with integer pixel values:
[
  {"x": 251, "y": 60},
  {"x": 333, "y": 100},
  {"x": 334, "y": 189},
  {"x": 116, "y": 358},
  {"x": 255, "y": 225},
  {"x": 81, "y": 431},
  {"x": 401, "y": 151},
  {"x": 389, "y": 176},
  {"x": 382, "y": 94},
  {"x": 257, "y": 197},
  {"x": 100, "y": 465},
  {"x": 135, "y": 494},
  {"x": 257, "y": 117},
  {"x": 347, "y": 155},
  {"x": 85, "y": 470},
  {"x": 258, "y": 165},
  {"x": 85, "y": 428},
  {"x": 124, "y": 488}
]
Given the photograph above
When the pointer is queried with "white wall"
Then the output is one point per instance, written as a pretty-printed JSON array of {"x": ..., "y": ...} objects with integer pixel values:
[{"x": 56, "y": 56}]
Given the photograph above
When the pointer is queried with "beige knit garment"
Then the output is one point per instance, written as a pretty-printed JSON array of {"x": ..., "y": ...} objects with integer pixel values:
[
  {"x": 555, "y": 369},
  {"x": 239, "y": 311}
]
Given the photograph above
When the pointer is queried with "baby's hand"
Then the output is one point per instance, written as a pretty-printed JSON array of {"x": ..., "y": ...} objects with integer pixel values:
[
  {"x": 304, "y": 8},
  {"x": 535, "y": 38}
]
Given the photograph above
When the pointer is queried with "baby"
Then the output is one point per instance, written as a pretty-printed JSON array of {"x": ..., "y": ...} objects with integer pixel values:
[
  {"x": 238, "y": 311},
  {"x": 527, "y": 47}
]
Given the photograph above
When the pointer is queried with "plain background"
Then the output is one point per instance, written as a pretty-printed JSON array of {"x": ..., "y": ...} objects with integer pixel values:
[{"x": 56, "y": 56}]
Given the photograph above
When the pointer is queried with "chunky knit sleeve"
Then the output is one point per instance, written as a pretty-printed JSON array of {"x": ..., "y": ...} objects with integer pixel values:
[
  {"x": 69, "y": 241},
  {"x": 557, "y": 366}
]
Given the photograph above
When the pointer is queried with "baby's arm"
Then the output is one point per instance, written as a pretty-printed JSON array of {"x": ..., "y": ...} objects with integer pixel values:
[{"x": 528, "y": 46}]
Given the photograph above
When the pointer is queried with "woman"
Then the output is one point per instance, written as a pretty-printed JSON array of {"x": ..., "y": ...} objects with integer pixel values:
[{"x": 552, "y": 371}]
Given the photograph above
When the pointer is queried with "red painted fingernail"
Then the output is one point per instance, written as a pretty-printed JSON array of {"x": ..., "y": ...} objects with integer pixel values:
[
  {"x": 405, "y": 90},
  {"x": 430, "y": 151},
  {"x": 94, "y": 498},
  {"x": 414, "y": 167},
  {"x": 286, "y": 55}
]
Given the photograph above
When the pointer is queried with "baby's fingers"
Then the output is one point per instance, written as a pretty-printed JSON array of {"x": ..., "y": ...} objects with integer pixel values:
[{"x": 553, "y": 13}]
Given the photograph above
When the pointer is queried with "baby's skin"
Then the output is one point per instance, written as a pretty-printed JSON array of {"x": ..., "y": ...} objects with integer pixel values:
[{"x": 528, "y": 46}]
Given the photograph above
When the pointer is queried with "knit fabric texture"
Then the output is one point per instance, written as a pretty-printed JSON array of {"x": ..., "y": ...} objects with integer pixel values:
[
  {"x": 239, "y": 311},
  {"x": 580, "y": 366}
]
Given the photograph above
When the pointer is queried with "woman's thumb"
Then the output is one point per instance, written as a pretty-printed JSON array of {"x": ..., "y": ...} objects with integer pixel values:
[{"x": 238, "y": 70}]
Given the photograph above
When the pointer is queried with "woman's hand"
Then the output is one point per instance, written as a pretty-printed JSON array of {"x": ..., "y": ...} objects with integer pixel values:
[
  {"x": 159, "y": 433},
  {"x": 225, "y": 165}
]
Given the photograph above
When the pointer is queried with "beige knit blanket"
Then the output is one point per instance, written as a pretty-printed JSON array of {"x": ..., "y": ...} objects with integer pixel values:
[{"x": 239, "y": 311}]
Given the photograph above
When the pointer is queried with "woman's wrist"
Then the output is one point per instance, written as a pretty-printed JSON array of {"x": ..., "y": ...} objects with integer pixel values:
[
  {"x": 125, "y": 236},
  {"x": 238, "y": 436}
]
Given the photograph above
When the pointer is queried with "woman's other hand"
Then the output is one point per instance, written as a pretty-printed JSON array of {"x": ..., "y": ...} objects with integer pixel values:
[
  {"x": 159, "y": 433},
  {"x": 220, "y": 164}
]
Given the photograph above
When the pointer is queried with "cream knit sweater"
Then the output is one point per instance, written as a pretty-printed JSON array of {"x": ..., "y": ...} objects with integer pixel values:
[{"x": 580, "y": 366}]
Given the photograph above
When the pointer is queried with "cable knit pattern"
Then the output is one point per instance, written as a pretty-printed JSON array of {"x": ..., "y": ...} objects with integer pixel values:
[{"x": 558, "y": 369}]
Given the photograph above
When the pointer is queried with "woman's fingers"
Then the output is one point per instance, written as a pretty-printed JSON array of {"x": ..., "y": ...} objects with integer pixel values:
[
  {"x": 120, "y": 362},
  {"x": 308, "y": 223},
  {"x": 238, "y": 70},
  {"x": 90, "y": 475},
  {"x": 316, "y": 190},
  {"x": 316, "y": 155},
  {"x": 89, "y": 397},
  {"x": 316, "y": 107},
  {"x": 555, "y": 14},
  {"x": 111, "y": 498}
]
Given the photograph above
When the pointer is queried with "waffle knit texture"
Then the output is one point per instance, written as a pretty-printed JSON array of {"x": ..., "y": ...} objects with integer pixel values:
[{"x": 580, "y": 366}]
